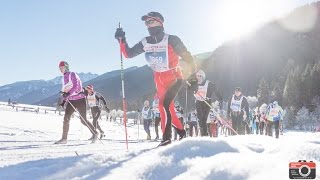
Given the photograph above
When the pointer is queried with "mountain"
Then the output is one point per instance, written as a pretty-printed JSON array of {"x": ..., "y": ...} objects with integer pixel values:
[
  {"x": 32, "y": 91},
  {"x": 269, "y": 53}
]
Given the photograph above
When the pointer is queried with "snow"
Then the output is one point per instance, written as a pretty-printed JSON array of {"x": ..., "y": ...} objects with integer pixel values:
[{"x": 27, "y": 152}]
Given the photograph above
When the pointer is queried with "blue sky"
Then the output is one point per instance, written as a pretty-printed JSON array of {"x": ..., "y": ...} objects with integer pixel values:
[{"x": 36, "y": 34}]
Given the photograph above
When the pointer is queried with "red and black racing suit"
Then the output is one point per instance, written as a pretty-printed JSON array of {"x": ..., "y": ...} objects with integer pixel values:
[{"x": 168, "y": 80}]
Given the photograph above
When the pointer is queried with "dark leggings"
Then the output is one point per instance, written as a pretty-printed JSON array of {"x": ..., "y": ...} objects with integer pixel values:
[
  {"x": 146, "y": 126},
  {"x": 95, "y": 111},
  {"x": 202, "y": 112},
  {"x": 170, "y": 95},
  {"x": 156, "y": 126},
  {"x": 80, "y": 105},
  {"x": 276, "y": 127},
  {"x": 261, "y": 127},
  {"x": 193, "y": 125},
  {"x": 257, "y": 127},
  {"x": 238, "y": 124}
]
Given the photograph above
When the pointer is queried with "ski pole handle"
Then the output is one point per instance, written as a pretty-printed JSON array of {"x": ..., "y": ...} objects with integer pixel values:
[{"x": 120, "y": 38}]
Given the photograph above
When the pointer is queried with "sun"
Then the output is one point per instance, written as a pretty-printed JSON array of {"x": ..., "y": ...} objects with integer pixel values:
[{"x": 239, "y": 18}]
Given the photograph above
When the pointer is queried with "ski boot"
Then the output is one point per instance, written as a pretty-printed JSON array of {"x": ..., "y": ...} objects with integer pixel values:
[
  {"x": 165, "y": 142},
  {"x": 148, "y": 137},
  {"x": 61, "y": 141},
  {"x": 90, "y": 139},
  {"x": 102, "y": 135},
  {"x": 182, "y": 134},
  {"x": 94, "y": 138}
]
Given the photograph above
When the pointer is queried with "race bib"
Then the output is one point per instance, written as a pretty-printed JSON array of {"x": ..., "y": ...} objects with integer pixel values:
[{"x": 157, "y": 61}]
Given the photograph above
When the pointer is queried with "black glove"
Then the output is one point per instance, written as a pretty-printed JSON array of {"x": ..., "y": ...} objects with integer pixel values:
[
  {"x": 120, "y": 34},
  {"x": 107, "y": 109},
  {"x": 62, "y": 103},
  {"x": 85, "y": 91},
  {"x": 192, "y": 83},
  {"x": 64, "y": 94}
]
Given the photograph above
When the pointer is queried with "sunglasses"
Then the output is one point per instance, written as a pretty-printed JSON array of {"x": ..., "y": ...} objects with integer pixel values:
[{"x": 150, "y": 22}]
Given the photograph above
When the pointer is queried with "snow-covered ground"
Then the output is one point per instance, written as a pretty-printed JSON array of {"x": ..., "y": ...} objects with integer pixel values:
[{"x": 27, "y": 152}]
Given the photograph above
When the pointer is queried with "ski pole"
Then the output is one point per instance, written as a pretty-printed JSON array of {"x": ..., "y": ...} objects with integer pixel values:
[
  {"x": 123, "y": 94},
  {"x": 217, "y": 114},
  {"x": 138, "y": 121},
  {"x": 81, "y": 118},
  {"x": 186, "y": 109}
]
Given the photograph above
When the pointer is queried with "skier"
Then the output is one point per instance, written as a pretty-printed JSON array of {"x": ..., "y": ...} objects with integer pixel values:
[
  {"x": 251, "y": 121},
  {"x": 256, "y": 119},
  {"x": 74, "y": 97},
  {"x": 213, "y": 123},
  {"x": 156, "y": 115},
  {"x": 162, "y": 53},
  {"x": 193, "y": 122},
  {"x": 238, "y": 109},
  {"x": 274, "y": 115},
  {"x": 147, "y": 118},
  {"x": 93, "y": 99},
  {"x": 179, "y": 113},
  {"x": 263, "y": 118},
  {"x": 205, "y": 91}
]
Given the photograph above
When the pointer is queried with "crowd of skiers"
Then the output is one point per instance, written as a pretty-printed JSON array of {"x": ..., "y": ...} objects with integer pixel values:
[
  {"x": 163, "y": 53},
  {"x": 208, "y": 118}
]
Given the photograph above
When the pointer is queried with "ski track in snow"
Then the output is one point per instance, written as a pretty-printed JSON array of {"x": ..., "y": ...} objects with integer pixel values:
[{"x": 27, "y": 150}]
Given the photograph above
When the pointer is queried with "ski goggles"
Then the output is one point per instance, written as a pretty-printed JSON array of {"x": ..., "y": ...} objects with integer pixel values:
[{"x": 149, "y": 22}]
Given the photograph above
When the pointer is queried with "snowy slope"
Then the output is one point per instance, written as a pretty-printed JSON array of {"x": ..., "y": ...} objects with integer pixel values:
[{"x": 27, "y": 152}]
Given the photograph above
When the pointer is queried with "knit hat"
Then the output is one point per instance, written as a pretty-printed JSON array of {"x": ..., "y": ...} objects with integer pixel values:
[
  {"x": 238, "y": 89},
  {"x": 65, "y": 65},
  {"x": 201, "y": 73},
  {"x": 90, "y": 87}
]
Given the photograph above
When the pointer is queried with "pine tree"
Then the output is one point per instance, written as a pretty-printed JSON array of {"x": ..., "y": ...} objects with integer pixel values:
[
  {"x": 303, "y": 118},
  {"x": 315, "y": 114},
  {"x": 263, "y": 92},
  {"x": 306, "y": 85},
  {"x": 287, "y": 92},
  {"x": 289, "y": 119},
  {"x": 315, "y": 80},
  {"x": 277, "y": 93},
  {"x": 292, "y": 90}
]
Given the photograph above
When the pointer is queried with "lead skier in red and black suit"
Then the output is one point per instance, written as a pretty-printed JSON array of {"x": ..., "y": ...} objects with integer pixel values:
[{"x": 162, "y": 52}]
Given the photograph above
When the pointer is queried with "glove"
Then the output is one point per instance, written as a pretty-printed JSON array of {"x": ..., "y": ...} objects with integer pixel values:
[
  {"x": 120, "y": 34},
  {"x": 62, "y": 103},
  {"x": 107, "y": 109},
  {"x": 64, "y": 94},
  {"x": 192, "y": 83}
]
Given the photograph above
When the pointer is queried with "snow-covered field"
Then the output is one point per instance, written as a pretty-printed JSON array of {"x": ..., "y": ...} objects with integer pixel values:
[{"x": 27, "y": 152}]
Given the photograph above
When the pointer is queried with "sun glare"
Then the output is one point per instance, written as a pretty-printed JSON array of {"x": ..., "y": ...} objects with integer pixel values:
[{"x": 239, "y": 18}]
